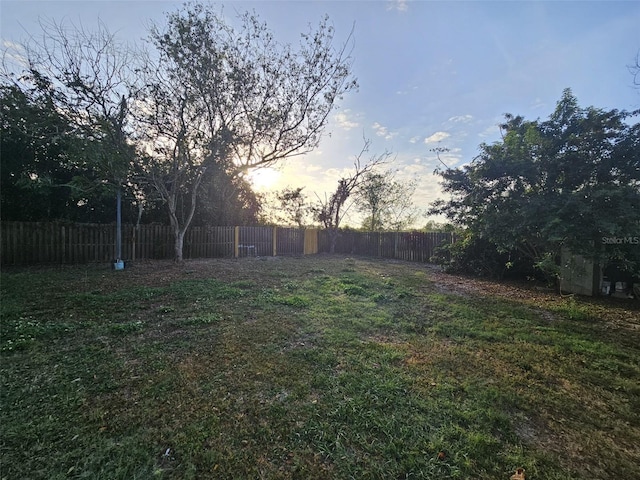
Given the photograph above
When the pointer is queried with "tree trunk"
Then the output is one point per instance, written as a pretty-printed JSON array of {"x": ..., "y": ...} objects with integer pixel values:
[
  {"x": 179, "y": 243},
  {"x": 178, "y": 231},
  {"x": 171, "y": 199},
  {"x": 333, "y": 237}
]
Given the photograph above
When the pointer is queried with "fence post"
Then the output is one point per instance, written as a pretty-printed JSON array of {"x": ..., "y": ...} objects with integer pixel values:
[
  {"x": 395, "y": 245},
  {"x": 236, "y": 241},
  {"x": 275, "y": 241},
  {"x": 63, "y": 244}
]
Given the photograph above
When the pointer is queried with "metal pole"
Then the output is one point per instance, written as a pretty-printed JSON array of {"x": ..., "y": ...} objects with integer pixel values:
[{"x": 119, "y": 226}]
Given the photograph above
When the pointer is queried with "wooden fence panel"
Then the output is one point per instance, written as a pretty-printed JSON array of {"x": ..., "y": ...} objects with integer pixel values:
[
  {"x": 345, "y": 244},
  {"x": 160, "y": 242},
  {"x": 209, "y": 242},
  {"x": 25, "y": 243},
  {"x": 290, "y": 241},
  {"x": 255, "y": 241},
  {"x": 409, "y": 246},
  {"x": 222, "y": 239}
]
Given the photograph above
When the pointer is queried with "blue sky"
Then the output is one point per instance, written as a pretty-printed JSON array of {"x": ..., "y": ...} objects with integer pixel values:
[{"x": 431, "y": 73}]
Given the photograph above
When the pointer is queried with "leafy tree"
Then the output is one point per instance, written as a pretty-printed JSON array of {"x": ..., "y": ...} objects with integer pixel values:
[
  {"x": 372, "y": 198},
  {"x": 44, "y": 169},
  {"x": 218, "y": 95},
  {"x": 227, "y": 199},
  {"x": 36, "y": 143},
  {"x": 289, "y": 206},
  {"x": 435, "y": 226},
  {"x": 89, "y": 76},
  {"x": 331, "y": 211},
  {"x": 386, "y": 201},
  {"x": 569, "y": 182}
]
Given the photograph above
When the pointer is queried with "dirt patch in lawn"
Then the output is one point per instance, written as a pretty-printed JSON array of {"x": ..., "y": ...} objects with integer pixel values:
[{"x": 622, "y": 313}]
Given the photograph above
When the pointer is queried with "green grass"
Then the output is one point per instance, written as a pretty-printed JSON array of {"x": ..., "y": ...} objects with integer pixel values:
[{"x": 312, "y": 368}]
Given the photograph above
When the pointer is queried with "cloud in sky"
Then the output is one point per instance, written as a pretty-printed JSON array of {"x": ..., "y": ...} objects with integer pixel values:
[
  {"x": 344, "y": 121},
  {"x": 410, "y": 171},
  {"x": 538, "y": 103},
  {"x": 437, "y": 137},
  {"x": 14, "y": 54},
  {"x": 9, "y": 45},
  {"x": 490, "y": 131},
  {"x": 399, "y": 5},
  {"x": 461, "y": 118},
  {"x": 383, "y": 131}
]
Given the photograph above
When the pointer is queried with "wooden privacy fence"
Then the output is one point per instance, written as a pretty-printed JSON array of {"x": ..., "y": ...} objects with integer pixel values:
[
  {"x": 30, "y": 243},
  {"x": 410, "y": 246}
]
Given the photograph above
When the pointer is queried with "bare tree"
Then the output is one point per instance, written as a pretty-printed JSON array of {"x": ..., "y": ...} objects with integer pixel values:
[
  {"x": 233, "y": 97},
  {"x": 330, "y": 211},
  {"x": 89, "y": 75},
  {"x": 635, "y": 70}
]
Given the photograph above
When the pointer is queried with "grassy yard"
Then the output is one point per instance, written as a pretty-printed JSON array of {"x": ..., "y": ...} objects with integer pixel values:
[{"x": 312, "y": 368}]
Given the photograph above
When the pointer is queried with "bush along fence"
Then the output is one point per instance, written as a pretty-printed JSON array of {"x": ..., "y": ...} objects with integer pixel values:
[{"x": 32, "y": 243}]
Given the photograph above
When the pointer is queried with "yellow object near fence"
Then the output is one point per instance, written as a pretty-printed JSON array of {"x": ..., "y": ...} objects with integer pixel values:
[{"x": 310, "y": 241}]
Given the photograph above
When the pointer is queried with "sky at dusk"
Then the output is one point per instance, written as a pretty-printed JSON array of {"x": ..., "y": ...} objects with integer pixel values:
[{"x": 431, "y": 73}]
